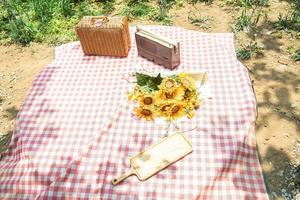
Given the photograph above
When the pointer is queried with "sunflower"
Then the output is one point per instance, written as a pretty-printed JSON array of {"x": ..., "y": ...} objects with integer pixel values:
[
  {"x": 136, "y": 94},
  {"x": 145, "y": 112},
  {"x": 177, "y": 111},
  {"x": 176, "y": 94},
  {"x": 194, "y": 103},
  {"x": 187, "y": 81},
  {"x": 168, "y": 84},
  {"x": 164, "y": 109},
  {"x": 147, "y": 99},
  {"x": 190, "y": 94}
]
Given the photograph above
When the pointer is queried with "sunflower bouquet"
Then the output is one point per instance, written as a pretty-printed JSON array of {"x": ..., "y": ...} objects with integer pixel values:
[{"x": 171, "y": 97}]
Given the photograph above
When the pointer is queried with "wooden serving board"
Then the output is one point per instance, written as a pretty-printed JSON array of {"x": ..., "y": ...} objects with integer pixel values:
[{"x": 157, "y": 157}]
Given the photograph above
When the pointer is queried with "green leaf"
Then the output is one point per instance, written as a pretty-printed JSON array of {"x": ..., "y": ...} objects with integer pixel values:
[
  {"x": 142, "y": 79},
  {"x": 150, "y": 83},
  {"x": 157, "y": 80}
]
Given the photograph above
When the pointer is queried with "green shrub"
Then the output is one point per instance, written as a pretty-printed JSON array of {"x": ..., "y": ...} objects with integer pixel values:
[
  {"x": 59, "y": 31},
  {"x": 133, "y": 9},
  {"x": 43, "y": 9},
  {"x": 108, "y": 6},
  {"x": 20, "y": 32},
  {"x": 4, "y": 24},
  {"x": 164, "y": 7},
  {"x": 66, "y": 7},
  {"x": 84, "y": 9},
  {"x": 161, "y": 13},
  {"x": 14, "y": 26}
]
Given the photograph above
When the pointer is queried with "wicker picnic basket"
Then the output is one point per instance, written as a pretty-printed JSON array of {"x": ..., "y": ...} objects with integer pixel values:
[{"x": 102, "y": 35}]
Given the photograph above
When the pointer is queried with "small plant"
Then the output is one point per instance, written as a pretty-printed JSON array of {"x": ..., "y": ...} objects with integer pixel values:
[
  {"x": 296, "y": 55},
  {"x": 242, "y": 23},
  {"x": 249, "y": 50},
  {"x": 201, "y": 21},
  {"x": 252, "y": 11},
  {"x": 164, "y": 7},
  {"x": 161, "y": 13},
  {"x": 291, "y": 19},
  {"x": 244, "y": 53}
]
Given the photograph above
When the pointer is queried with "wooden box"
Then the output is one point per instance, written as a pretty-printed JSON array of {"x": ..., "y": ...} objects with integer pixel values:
[{"x": 157, "y": 48}]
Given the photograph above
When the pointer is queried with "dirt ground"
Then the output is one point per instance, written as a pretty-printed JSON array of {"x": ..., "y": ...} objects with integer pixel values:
[{"x": 275, "y": 76}]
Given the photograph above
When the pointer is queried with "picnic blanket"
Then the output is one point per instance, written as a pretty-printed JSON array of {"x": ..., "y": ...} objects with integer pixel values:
[{"x": 75, "y": 130}]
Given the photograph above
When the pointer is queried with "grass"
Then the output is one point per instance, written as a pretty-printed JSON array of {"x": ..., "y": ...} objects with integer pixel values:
[
  {"x": 53, "y": 21},
  {"x": 49, "y": 21}
]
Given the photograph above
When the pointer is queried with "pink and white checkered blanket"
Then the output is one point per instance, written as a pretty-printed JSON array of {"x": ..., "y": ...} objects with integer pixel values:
[{"x": 75, "y": 131}]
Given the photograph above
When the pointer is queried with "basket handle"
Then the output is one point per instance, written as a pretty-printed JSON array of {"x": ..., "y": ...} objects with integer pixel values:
[{"x": 99, "y": 21}]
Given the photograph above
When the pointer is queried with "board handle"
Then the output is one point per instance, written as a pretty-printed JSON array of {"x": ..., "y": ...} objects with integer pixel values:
[{"x": 117, "y": 180}]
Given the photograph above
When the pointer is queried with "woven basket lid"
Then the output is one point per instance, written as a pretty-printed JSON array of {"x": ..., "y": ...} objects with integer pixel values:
[{"x": 102, "y": 22}]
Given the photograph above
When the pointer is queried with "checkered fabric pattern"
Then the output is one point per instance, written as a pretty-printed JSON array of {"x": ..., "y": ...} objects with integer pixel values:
[{"x": 75, "y": 131}]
